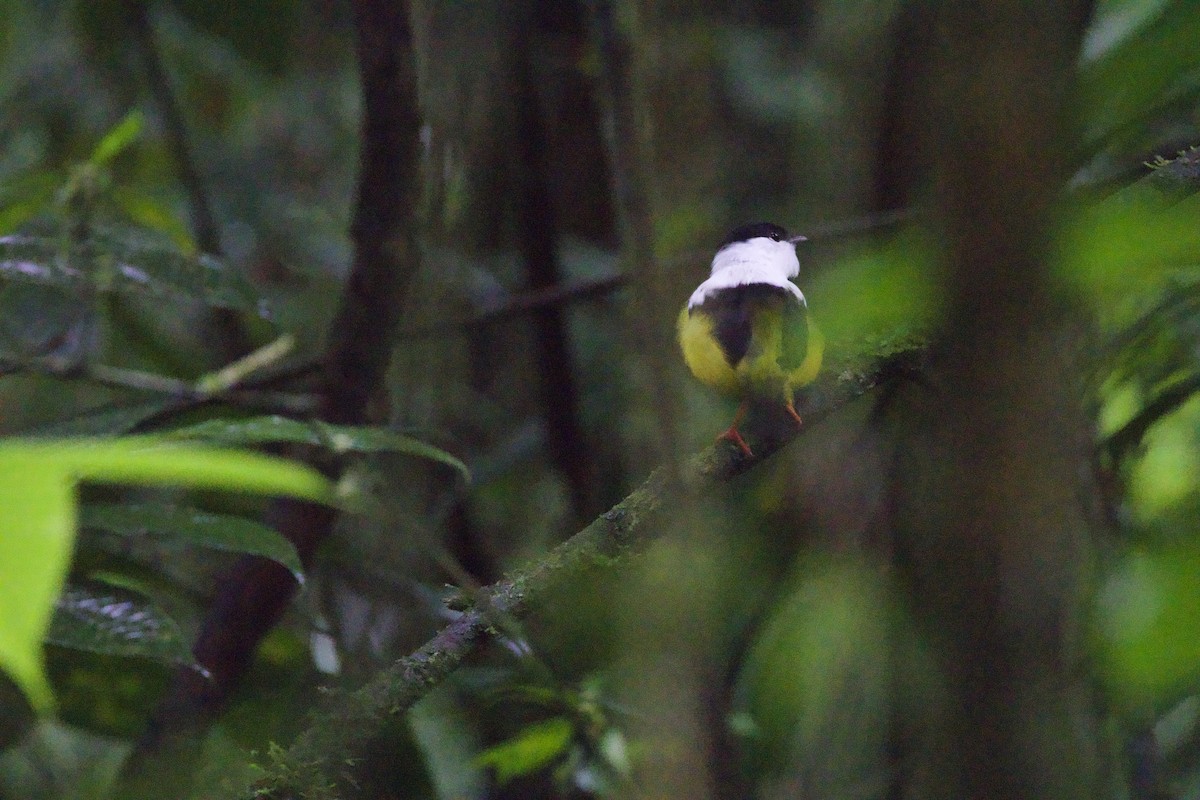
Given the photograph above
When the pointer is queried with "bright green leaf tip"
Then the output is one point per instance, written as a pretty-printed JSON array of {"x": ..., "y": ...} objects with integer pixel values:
[
  {"x": 117, "y": 140},
  {"x": 38, "y": 515},
  {"x": 534, "y": 747},
  {"x": 154, "y": 461},
  {"x": 27, "y": 673}
]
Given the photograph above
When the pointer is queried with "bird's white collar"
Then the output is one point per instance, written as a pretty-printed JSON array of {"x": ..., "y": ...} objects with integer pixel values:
[{"x": 758, "y": 260}]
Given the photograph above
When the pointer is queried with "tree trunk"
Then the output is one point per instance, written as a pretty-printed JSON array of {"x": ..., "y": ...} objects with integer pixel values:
[{"x": 991, "y": 532}]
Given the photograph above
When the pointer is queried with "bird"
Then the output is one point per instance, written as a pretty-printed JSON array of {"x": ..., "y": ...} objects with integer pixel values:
[{"x": 746, "y": 331}]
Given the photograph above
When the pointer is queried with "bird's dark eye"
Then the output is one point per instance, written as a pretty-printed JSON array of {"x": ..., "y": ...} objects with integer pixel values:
[{"x": 775, "y": 237}]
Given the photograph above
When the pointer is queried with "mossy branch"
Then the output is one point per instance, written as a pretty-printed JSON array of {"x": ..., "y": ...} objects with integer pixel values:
[{"x": 324, "y": 755}]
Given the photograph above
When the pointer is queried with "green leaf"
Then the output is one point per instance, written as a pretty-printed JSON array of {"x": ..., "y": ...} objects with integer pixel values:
[
  {"x": 1164, "y": 473},
  {"x": 152, "y": 212},
  {"x": 536, "y": 746},
  {"x": 877, "y": 292},
  {"x": 116, "y": 621},
  {"x": 195, "y": 527},
  {"x": 379, "y": 440},
  {"x": 127, "y": 262},
  {"x": 37, "y": 260},
  {"x": 1148, "y": 621},
  {"x": 108, "y": 420},
  {"x": 137, "y": 264},
  {"x": 1139, "y": 78},
  {"x": 338, "y": 438},
  {"x": 117, "y": 140},
  {"x": 152, "y": 460},
  {"x": 252, "y": 431},
  {"x": 1112, "y": 247},
  {"x": 38, "y": 517}
]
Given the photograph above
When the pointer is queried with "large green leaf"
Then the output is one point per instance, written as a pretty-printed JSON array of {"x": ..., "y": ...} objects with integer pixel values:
[
  {"x": 1150, "y": 69},
  {"x": 126, "y": 261},
  {"x": 195, "y": 527},
  {"x": 116, "y": 621},
  {"x": 338, "y": 438},
  {"x": 535, "y": 747},
  {"x": 1110, "y": 248},
  {"x": 153, "y": 460},
  {"x": 38, "y": 517},
  {"x": 878, "y": 292},
  {"x": 1148, "y": 622}
]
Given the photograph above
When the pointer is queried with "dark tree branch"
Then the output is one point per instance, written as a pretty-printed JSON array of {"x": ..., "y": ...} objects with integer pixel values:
[
  {"x": 559, "y": 295},
  {"x": 253, "y": 598},
  {"x": 860, "y": 226},
  {"x": 1130, "y": 435},
  {"x": 537, "y": 231},
  {"x": 386, "y": 254},
  {"x": 341, "y": 731}
]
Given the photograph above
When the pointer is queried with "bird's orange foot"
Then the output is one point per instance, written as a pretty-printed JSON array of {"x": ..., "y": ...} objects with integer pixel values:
[
  {"x": 732, "y": 435},
  {"x": 791, "y": 409}
]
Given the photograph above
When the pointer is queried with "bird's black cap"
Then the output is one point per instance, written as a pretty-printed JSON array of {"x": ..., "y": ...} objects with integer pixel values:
[{"x": 744, "y": 233}]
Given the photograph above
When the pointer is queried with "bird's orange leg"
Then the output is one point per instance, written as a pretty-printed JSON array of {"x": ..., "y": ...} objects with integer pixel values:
[
  {"x": 732, "y": 435},
  {"x": 791, "y": 409}
]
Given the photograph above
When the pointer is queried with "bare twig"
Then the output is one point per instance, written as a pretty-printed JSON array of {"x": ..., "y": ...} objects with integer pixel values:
[
  {"x": 858, "y": 226},
  {"x": 236, "y": 373},
  {"x": 229, "y": 384},
  {"x": 1130, "y": 435},
  {"x": 560, "y": 294},
  {"x": 593, "y": 288},
  {"x": 185, "y": 392}
]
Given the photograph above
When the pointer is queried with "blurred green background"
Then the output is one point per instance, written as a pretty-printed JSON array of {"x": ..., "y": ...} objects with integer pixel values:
[{"x": 752, "y": 650}]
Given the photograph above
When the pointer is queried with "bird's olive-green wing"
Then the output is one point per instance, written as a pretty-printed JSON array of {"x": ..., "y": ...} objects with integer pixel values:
[
  {"x": 803, "y": 346},
  {"x": 794, "y": 320}
]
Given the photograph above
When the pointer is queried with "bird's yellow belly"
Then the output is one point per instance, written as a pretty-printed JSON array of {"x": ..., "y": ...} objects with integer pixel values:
[
  {"x": 759, "y": 372},
  {"x": 704, "y": 356}
]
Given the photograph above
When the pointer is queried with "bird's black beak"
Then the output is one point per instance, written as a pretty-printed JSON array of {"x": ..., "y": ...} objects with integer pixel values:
[{"x": 798, "y": 239}]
